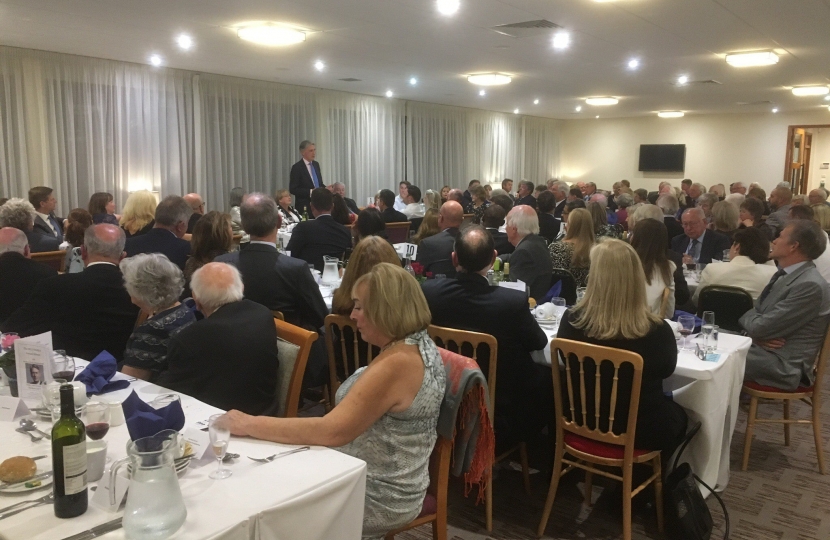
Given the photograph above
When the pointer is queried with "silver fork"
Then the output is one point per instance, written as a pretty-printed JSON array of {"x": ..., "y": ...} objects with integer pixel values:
[
  {"x": 25, "y": 505},
  {"x": 272, "y": 457}
]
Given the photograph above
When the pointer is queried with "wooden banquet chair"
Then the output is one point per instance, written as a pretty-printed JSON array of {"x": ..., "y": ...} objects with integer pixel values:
[
  {"x": 397, "y": 233},
  {"x": 293, "y": 347},
  {"x": 810, "y": 395},
  {"x": 346, "y": 351},
  {"x": 593, "y": 446},
  {"x": 728, "y": 303},
  {"x": 278, "y": 315},
  {"x": 54, "y": 259}
]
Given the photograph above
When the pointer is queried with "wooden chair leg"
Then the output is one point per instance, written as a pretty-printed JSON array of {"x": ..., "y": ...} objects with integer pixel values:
[
  {"x": 554, "y": 484},
  {"x": 488, "y": 503},
  {"x": 525, "y": 466},
  {"x": 626, "y": 502},
  {"x": 786, "y": 426},
  {"x": 817, "y": 434},
  {"x": 439, "y": 526},
  {"x": 658, "y": 492},
  {"x": 750, "y": 425},
  {"x": 589, "y": 481}
]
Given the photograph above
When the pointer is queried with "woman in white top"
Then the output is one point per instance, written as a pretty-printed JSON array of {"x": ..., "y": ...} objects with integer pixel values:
[
  {"x": 748, "y": 266},
  {"x": 649, "y": 239}
]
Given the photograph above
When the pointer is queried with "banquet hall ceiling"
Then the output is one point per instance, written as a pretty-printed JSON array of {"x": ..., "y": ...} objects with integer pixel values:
[{"x": 384, "y": 43}]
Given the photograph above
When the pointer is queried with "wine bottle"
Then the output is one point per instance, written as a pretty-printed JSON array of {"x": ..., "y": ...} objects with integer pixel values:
[
  {"x": 69, "y": 459},
  {"x": 506, "y": 271}
]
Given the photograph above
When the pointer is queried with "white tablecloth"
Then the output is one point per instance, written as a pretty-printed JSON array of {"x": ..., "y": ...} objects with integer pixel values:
[
  {"x": 709, "y": 391},
  {"x": 317, "y": 494}
]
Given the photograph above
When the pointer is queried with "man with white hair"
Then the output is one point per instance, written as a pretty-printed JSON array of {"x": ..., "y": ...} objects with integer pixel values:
[
  {"x": 172, "y": 216},
  {"x": 698, "y": 244},
  {"x": 780, "y": 200},
  {"x": 590, "y": 189},
  {"x": 694, "y": 193},
  {"x": 20, "y": 214},
  {"x": 339, "y": 188},
  {"x": 817, "y": 196},
  {"x": 194, "y": 200},
  {"x": 738, "y": 187},
  {"x": 530, "y": 261},
  {"x": 560, "y": 192},
  {"x": 669, "y": 206},
  {"x": 19, "y": 274},
  {"x": 228, "y": 359}
]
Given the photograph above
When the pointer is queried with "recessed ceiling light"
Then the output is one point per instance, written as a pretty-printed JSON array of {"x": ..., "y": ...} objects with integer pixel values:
[
  {"x": 670, "y": 114},
  {"x": 515, "y": 111},
  {"x": 390, "y": 93},
  {"x": 319, "y": 65},
  {"x": 447, "y": 7},
  {"x": 810, "y": 90},
  {"x": 602, "y": 101},
  {"x": 827, "y": 98},
  {"x": 482, "y": 93},
  {"x": 155, "y": 60},
  {"x": 535, "y": 101},
  {"x": 633, "y": 63},
  {"x": 578, "y": 108},
  {"x": 489, "y": 79},
  {"x": 272, "y": 35},
  {"x": 561, "y": 40},
  {"x": 184, "y": 41},
  {"x": 775, "y": 110},
  {"x": 683, "y": 79},
  {"x": 752, "y": 59},
  {"x": 597, "y": 117},
  {"x": 413, "y": 81}
]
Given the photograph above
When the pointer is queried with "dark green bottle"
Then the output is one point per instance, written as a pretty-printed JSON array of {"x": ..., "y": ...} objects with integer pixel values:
[{"x": 69, "y": 459}]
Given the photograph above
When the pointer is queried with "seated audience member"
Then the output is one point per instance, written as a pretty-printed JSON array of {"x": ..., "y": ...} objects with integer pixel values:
[
  {"x": 706, "y": 202},
  {"x": 524, "y": 196},
  {"x": 154, "y": 285},
  {"x": 414, "y": 208},
  {"x": 340, "y": 212},
  {"x": 600, "y": 220},
  {"x": 649, "y": 241},
  {"x": 797, "y": 200},
  {"x": 755, "y": 192},
  {"x": 822, "y": 262},
  {"x": 570, "y": 206},
  {"x": 46, "y": 223},
  {"x": 817, "y": 196},
  {"x": 574, "y": 194},
  {"x": 548, "y": 224},
  {"x": 789, "y": 321},
  {"x": 391, "y": 404},
  {"x": 321, "y": 236},
  {"x": 435, "y": 252},
  {"x": 288, "y": 214},
  {"x": 507, "y": 187},
  {"x": 560, "y": 194},
  {"x": 735, "y": 199},
  {"x": 102, "y": 208},
  {"x": 821, "y": 213},
  {"x": 19, "y": 274},
  {"x": 697, "y": 244},
  {"x": 668, "y": 204},
  {"x": 780, "y": 201},
  {"x": 194, "y": 200},
  {"x": 646, "y": 211},
  {"x": 386, "y": 201},
  {"x": 456, "y": 195},
  {"x": 751, "y": 215},
  {"x": 369, "y": 223},
  {"x": 87, "y": 312},
  {"x": 747, "y": 267},
  {"x": 493, "y": 220},
  {"x": 608, "y": 206},
  {"x": 500, "y": 199},
  {"x": 429, "y": 226},
  {"x": 139, "y": 213},
  {"x": 20, "y": 215},
  {"x": 228, "y": 359},
  {"x": 640, "y": 196},
  {"x": 588, "y": 190},
  {"x": 694, "y": 193},
  {"x": 572, "y": 253},
  {"x": 523, "y": 392},
  {"x": 368, "y": 253},
  {"x": 529, "y": 261},
  {"x": 468, "y": 197},
  {"x": 719, "y": 191},
  {"x": 737, "y": 188},
  {"x": 339, "y": 188},
  {"x": 725, "y": 218},
  {"x": 78, "y": 221},
  {"x": 661, "y": 423},
  {"x": 212, "y": 237},
  {"x": 624, "y": 202},
  {"x": 399, "y": 204},
  {"x": 681, "y": 288},
  {"x": 432, "y": 199},
  {"x": 236, "y": 197},
  {"x": 172, "y": 216},
  {"x": 445, "y": 192},
  {"x": 479, "y": 203}
]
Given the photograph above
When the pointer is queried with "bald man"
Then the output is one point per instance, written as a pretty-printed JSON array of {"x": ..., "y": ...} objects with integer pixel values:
[
  {"x": 194, "y": 200},
  {"x": 229, "y": 359},
  {"x": 435, "y": 252},
  {"x": 87, "y": 312},
  {"x": 19, "y": 274},
  {"x": 456, "y": 195}
]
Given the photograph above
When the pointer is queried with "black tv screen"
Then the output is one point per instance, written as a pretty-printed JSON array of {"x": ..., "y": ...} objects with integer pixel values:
[{"x": 663, "y": 157}]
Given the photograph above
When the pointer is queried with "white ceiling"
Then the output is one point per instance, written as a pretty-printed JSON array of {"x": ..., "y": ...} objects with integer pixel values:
[{"x": 385, "y": 42}]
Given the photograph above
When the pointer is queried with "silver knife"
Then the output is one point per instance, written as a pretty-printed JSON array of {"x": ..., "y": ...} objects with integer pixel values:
[
  {"x": 95, "y": 532},
  {"x": 41, "y": 476}
]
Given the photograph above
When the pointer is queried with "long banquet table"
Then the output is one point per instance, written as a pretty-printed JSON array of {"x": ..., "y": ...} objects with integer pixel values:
[
  {"x": 709, "y": 391},
  {"x": 318, "y": 494}
]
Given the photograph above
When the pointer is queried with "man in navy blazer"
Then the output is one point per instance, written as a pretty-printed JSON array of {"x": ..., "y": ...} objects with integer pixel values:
[
  {"x": 46, "y": 223},
  {"x": 305, "y": 176},
  {"x": 172, "y": 217},
  {"x": 312, "y": 240},
  {"x": 530, "y": 261},
  {"x": 698, "y": 244}
]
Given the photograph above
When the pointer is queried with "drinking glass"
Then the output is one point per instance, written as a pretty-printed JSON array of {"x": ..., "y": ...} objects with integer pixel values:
[
  {"x": 63, "y": 366},
  {"x": 687, "y": 326},
  {"x": 726, "y": 253},
  {"x": 164, "y": 400},
  {"x": 96, "y": 418},
  {"x": 580, "y": 293},
  {"x": 708, "y": 317},
  {"x": 220, "y": 435},
  {"x": 699, "y": 269}
]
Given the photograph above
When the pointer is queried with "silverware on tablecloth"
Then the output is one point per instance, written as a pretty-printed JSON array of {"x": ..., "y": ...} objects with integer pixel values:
[
  {"x": 95, "y": 532},
  {"x": 41, "y": 476},
  {"x": 25, "y": 505},
  {"x": 29, "y": 433},
  {"x": 29, "y": 425},
  {"x": 272, "y": 457},
  {"x": 229, "y": 457}
]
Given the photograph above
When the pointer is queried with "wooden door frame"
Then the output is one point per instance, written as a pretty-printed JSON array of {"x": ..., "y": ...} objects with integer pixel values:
[{"x": 790, "y": 136}]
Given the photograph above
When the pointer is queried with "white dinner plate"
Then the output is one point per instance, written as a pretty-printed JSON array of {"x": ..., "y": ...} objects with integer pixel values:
[{"x": 22, "y": 489}]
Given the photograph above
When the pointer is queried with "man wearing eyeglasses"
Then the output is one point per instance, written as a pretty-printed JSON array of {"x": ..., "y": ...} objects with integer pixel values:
[{"x": 198, "y": 205}]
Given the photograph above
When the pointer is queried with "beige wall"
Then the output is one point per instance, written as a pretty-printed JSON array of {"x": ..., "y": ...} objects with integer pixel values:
[{"x": 719, "y": 148}]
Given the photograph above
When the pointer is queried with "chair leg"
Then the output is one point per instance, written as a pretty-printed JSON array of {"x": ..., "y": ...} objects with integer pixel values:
[
  {"x": 554, "y": 484},
  {"x": 750, "y": 425},
  {"x": 817, "y": 434},
  {"x": 786, "y": 426},
  {"x": 488, "y": 503},
  {"x": 626, "y": 502},
  {"x": 439, "y": 526},
  {"x": 589, "y": 489},
  {"x": 658, "y": 491},
  {"x": 525, "y": 466}
]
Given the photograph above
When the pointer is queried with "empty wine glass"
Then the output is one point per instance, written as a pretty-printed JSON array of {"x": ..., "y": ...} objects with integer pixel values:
[
  {"x": 63, "y": 366},
  {"x": 96, "y": 418},
  {"x": 687, "y": 326},
  {"x": 220, "y": 435}
]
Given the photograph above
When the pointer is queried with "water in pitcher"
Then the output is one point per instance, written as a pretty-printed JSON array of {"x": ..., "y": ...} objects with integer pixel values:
[{"x": 155, "y": 509}]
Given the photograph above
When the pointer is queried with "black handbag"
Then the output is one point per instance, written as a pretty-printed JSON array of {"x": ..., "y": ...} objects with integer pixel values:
[{"x": 688, "y": 515}]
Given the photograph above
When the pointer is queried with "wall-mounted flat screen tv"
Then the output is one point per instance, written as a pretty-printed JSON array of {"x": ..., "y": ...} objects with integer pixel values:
[{"x": 662, "y": 157}]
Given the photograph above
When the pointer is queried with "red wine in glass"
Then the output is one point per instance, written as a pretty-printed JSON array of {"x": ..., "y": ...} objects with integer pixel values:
[
  {"x": 63, "y": 375},
  {"x": 97, "y": 430}
]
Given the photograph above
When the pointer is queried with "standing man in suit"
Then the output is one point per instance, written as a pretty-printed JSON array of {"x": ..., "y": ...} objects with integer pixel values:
[
  {"x": 19, "y": 274},
  {"x": 435, "y": 252},
  {"x": 46, "y": 223},
  {"x": 525, "y": 194},
  {"x": 789, "y": 322},
  {"x": 530, "y": 262},
  {"x": 698, "y": 244},
  {"x": 780, "y": 201},
  {"x": 305, "y": 177},
  {"x": 313, "y": 239},
  {"x": 172, "y": 216},
  {"x": 386, "y": 205},
  {"x": 20, "y": 214}
]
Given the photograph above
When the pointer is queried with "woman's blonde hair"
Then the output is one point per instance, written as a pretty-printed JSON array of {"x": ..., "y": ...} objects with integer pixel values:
[
  {"x": 280, "y": 194},
  {"x": 821, "y": 213},
  {"x": 609, "y": 310},
  {"x": 581, "y": 234},
  {"x": 368, "y": 252},
  {"x": 598, "y": 215},
  {"x": 139, "y": 211},
  {"x": 395, "y": 304},
  {"x": 725, "y": 216},
  {"x": 429, "y": 226}
]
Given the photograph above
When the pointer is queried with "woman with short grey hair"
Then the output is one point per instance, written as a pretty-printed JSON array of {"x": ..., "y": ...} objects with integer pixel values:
[{"x": 154, "y": 285}]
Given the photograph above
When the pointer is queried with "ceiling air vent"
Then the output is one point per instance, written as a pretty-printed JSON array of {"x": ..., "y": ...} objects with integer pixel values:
[
  {"x": 526, "y": 28},
  {"x": 751, "y": 103},
  {"x": 350, "y": 79},
  {"x": 706, "y": 82}
]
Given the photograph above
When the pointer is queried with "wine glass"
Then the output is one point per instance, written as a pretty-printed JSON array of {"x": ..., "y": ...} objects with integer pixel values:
[
  {"x": 63, "y": 366},
  {"x": 96, "y": 418},
  {"x": 687, "y": 326},
  {"x": 220, "y": 435},
  {"x": 580, "y": 293}
]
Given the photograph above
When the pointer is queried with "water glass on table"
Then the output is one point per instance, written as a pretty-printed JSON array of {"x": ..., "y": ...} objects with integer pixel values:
[
  {"x": 687, "y": 326},
  {"x": 706, "y": 330},
  {"x": 220, "y": 436},
  {"x": 580, "y": 293}
]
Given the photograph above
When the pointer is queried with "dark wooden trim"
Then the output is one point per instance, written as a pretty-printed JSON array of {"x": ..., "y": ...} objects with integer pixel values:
[{"x": 790, "y": 135}]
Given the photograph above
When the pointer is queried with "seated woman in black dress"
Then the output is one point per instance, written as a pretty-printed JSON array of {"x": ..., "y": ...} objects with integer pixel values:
[{"x": 614, "y": 313}]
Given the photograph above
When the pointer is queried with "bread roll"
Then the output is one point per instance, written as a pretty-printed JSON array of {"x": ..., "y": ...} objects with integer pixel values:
[{"x": 17, "y": 469}]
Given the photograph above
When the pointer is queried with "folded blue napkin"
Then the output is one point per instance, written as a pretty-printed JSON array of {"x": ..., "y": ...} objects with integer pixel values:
[
  {"x": 98, "y": 374},
  {"x": 145, "y": 421},
  {"x": 554, "y": 292}
]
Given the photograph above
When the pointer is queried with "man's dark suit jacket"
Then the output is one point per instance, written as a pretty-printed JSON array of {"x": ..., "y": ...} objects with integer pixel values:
[
  {"x": 39, "y": 242},
  {"x": 390, "y": 215},
  {"x": 87, "y": 312},
  {"x": 531, "y": 263},
  {"x": 435, "y": 252},
  {"x": 713, "y": 245},
  {"x": 351, "y": 205},
  {"x": 529, "y": 200},
  {"x": 228, "y": 360},
  {"x": 673, "y": 227},
  {"x": 41, "y": 227},
  {"x": 681, "y": 288},
  {"x": 470, "y": 303},
  {"x": 549, "y": 227},
  {"x": 312, "y": 239},
  {"x": 194, "y": 217},
  {"x": 19, "y": 276},
  {"x": 300, "y": 185},
  {"x": 162, "y": 241},
  {"x": 560, "y": 206},
  {"x": 502, "y": 244}
]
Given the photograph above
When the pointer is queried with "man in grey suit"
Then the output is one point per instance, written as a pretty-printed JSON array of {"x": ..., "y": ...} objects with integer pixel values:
[
  {"x": 789, "y": 321},
  {"x": 530, "y": 261},
  {"x": 435, "y": 252},
  {"x": 779, "y": 201}
]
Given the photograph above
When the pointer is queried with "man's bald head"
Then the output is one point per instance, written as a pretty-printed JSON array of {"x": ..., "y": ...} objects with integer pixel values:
[
  {"x": 450, "y": 215},
  {"x": 214, "y": 285},
  {"x": 195, "y": 202},
  {"x": 474, "y": 250},
  {"x": 455, "y": 195},
  {"x": 13, "y": 240},
  {"x": 103, "y": 243}
]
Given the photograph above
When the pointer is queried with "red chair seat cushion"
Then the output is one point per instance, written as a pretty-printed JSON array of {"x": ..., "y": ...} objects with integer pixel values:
[
  {"x": 608, "y": 451},
  {"x": 430, "y": 506},
  {"x": 762, "y": 388}
]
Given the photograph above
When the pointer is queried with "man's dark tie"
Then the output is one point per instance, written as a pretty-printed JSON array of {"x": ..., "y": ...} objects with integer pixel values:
[{"x": 768, "y": 288}]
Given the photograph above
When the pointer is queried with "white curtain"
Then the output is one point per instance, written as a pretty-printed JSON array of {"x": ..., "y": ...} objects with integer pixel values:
[{"x": 541, "y": 148}]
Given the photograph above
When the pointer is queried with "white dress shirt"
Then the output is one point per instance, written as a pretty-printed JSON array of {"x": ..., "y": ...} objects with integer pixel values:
[
  {"x": 414, "y": 210},
  {"x": 399, "y": 204},
  {"x": 739, "y": 272}
]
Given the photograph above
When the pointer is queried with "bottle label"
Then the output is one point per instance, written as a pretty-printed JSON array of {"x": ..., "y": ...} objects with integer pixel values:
[{"x": 74, "y": 468}]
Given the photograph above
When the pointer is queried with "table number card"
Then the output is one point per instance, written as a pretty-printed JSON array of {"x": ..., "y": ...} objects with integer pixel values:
[
  {"x": 33, "y": 356},
  {"x": 11, "y": 408},
  {"x": 199, "y": 441},
  {"x": 407, "y": 250}
]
